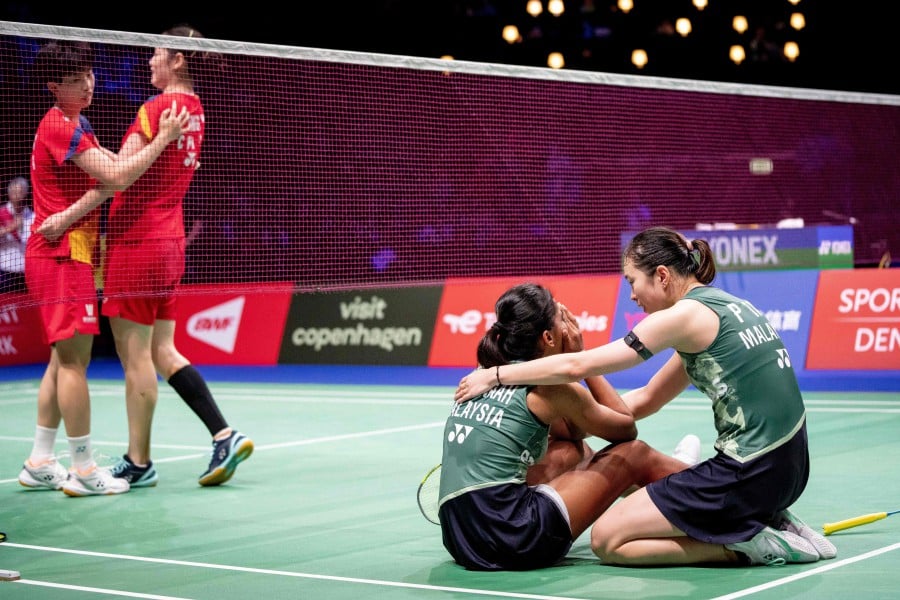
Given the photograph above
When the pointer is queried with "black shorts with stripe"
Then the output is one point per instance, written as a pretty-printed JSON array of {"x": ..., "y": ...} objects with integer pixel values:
[{"x": 510, "y": 527}]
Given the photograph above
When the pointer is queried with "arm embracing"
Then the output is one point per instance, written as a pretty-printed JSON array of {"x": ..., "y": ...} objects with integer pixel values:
[
  {"x": 56, "y": 224},
  {"x": 119, "y": 172}
]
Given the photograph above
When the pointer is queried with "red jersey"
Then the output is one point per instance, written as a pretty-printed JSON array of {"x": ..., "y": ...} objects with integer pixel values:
[
  {"x": 151, "y": 208},
  {"x": 58, "y": 183}
]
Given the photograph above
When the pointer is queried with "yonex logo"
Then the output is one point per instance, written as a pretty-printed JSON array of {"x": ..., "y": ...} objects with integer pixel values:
[
  {"x": 827, "y": 247},
  {"x": 460, "y": 433},
  {"x": 783, "y": 359},
  {"x": 218, "y": 325}
]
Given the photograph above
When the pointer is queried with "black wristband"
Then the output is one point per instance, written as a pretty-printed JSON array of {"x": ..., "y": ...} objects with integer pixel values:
[
  {"x": 497, "y": 373},
  {"x": 637, "y": 345}
]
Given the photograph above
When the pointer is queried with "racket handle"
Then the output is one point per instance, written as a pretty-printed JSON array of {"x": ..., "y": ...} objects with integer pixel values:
[{"x": 830, "y": 528}]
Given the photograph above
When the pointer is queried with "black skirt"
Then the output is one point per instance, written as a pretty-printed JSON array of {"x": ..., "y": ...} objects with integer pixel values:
[{"x": 722, "y": 501}]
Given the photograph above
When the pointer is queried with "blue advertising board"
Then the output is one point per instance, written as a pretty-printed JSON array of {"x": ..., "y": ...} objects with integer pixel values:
[{"x": 818, "y": 247}]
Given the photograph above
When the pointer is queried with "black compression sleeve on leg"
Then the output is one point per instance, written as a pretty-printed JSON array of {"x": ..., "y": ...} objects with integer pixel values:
[{"x": 192, "y": 388}]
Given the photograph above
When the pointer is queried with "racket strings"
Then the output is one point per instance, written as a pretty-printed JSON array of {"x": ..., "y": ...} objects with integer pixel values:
[{"x": 429, "y": 495}]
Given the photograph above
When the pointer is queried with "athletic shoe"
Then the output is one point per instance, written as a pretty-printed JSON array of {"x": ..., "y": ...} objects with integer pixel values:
[
  {"x": 788, "y": 521},
  {"x": 773, "y": 548},
  {"x": 688, "y": 450},
  {"x": 226, "y": 456},
  {"x": 48, "y": 476},
  {"x": 133, "y": 474},
  {"x": 97, "y": 482}
]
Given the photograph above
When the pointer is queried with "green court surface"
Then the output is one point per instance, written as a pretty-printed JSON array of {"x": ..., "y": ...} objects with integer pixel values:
[{"x": 325, "y": 507}]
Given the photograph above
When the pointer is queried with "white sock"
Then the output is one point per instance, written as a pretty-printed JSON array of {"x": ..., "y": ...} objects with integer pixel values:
[
  {"x": 42, "y": 450},
  {"x": 82, "y": 453}
]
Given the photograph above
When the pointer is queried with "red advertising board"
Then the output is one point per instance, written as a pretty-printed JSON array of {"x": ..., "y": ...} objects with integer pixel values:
[
  {"x": 856, "y": 321},
  {"x": 20, "y": 332},
  {"x": 466, "y": 312},
  {"x": 233, "y": 328}
]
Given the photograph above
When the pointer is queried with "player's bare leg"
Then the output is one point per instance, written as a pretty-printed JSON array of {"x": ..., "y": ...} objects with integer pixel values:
[{"x": 141, "y": 387}]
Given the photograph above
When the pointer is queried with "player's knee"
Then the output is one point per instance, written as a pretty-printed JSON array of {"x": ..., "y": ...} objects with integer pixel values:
[
  {"x": 602, "y": 544},
  {"x": 167, "y": 360}
]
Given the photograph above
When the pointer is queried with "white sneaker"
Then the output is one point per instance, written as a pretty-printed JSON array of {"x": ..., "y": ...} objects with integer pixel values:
[
  {"x": 688, "y": 450},
  {"x": 773, "y": 548},
  {"x": 97, "y": 482},
  {"x": 47, "y": 476},
  {"x": 788, "y": 521}
]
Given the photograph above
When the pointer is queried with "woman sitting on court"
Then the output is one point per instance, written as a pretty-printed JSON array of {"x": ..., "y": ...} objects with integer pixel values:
[
  {"x": 518, "y": 482},
  {"x": 733, "y": 507}
]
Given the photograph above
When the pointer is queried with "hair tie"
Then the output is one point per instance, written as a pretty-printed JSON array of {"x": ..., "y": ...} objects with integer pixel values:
[{"x": 695, "y": 256}]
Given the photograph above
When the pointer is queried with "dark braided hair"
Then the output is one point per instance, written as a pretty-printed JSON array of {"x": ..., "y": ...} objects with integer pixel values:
[{"x": 524, "y": 312}]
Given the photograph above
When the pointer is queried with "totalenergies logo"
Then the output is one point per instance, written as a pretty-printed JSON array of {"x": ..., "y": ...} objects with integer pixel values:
[{"x": 473, "y": 322}]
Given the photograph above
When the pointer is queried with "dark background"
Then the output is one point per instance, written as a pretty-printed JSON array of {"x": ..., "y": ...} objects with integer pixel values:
[
  {"x": 845, "y": 45},
  {"x": 348, "y": 206}
]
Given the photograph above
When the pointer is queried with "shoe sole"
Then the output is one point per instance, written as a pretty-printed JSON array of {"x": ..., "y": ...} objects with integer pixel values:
[
  {"x": 143, "y": 484},
  {"x": 37, "y": 486},
  {"x": 224, "y": 472},
  {"x": 82, "y": 494}
]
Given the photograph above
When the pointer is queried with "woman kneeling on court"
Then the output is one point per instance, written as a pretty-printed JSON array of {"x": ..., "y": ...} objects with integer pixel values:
[
  {"x": 518, "y": 482},
  {"x": 733, "y": 507}
]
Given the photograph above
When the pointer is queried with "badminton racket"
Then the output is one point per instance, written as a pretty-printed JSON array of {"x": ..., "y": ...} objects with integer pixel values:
[
  {"x": 830, "y": 528},
  {"x": 428, "y": 495}
]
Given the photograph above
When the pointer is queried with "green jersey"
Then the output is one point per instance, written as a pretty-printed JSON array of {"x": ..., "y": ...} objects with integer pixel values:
[
  {"x": 490, "y": 440},
  {"x": 747, "y": 374}
]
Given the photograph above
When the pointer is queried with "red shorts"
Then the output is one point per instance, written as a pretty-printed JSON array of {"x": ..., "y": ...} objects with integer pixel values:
[
  {"x": 140, "y": 280},
  {"x": 53, "y": 282}
]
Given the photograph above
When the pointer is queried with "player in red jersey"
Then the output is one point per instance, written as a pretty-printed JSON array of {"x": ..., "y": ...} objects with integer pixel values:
[
  {"x": 145, "y": 262},
  {"x": 69, "y": 166}
]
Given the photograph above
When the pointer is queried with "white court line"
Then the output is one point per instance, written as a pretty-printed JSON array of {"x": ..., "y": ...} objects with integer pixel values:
[
  {"x": 404, "y": 398},
  {"x": 749, "y": 591},
  {"x": 306, "y": 442},
  {"x": 104, "y": 591},
  {"x": 184, "y": 563},
  {"x": 827, "y": 567},
  {"x": 356, "y": 394},
  {"x": 401, "y": 397}
]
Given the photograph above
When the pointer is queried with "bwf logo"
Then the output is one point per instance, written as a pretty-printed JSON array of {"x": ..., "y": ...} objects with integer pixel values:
[{"x": 218, "y": 326}]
